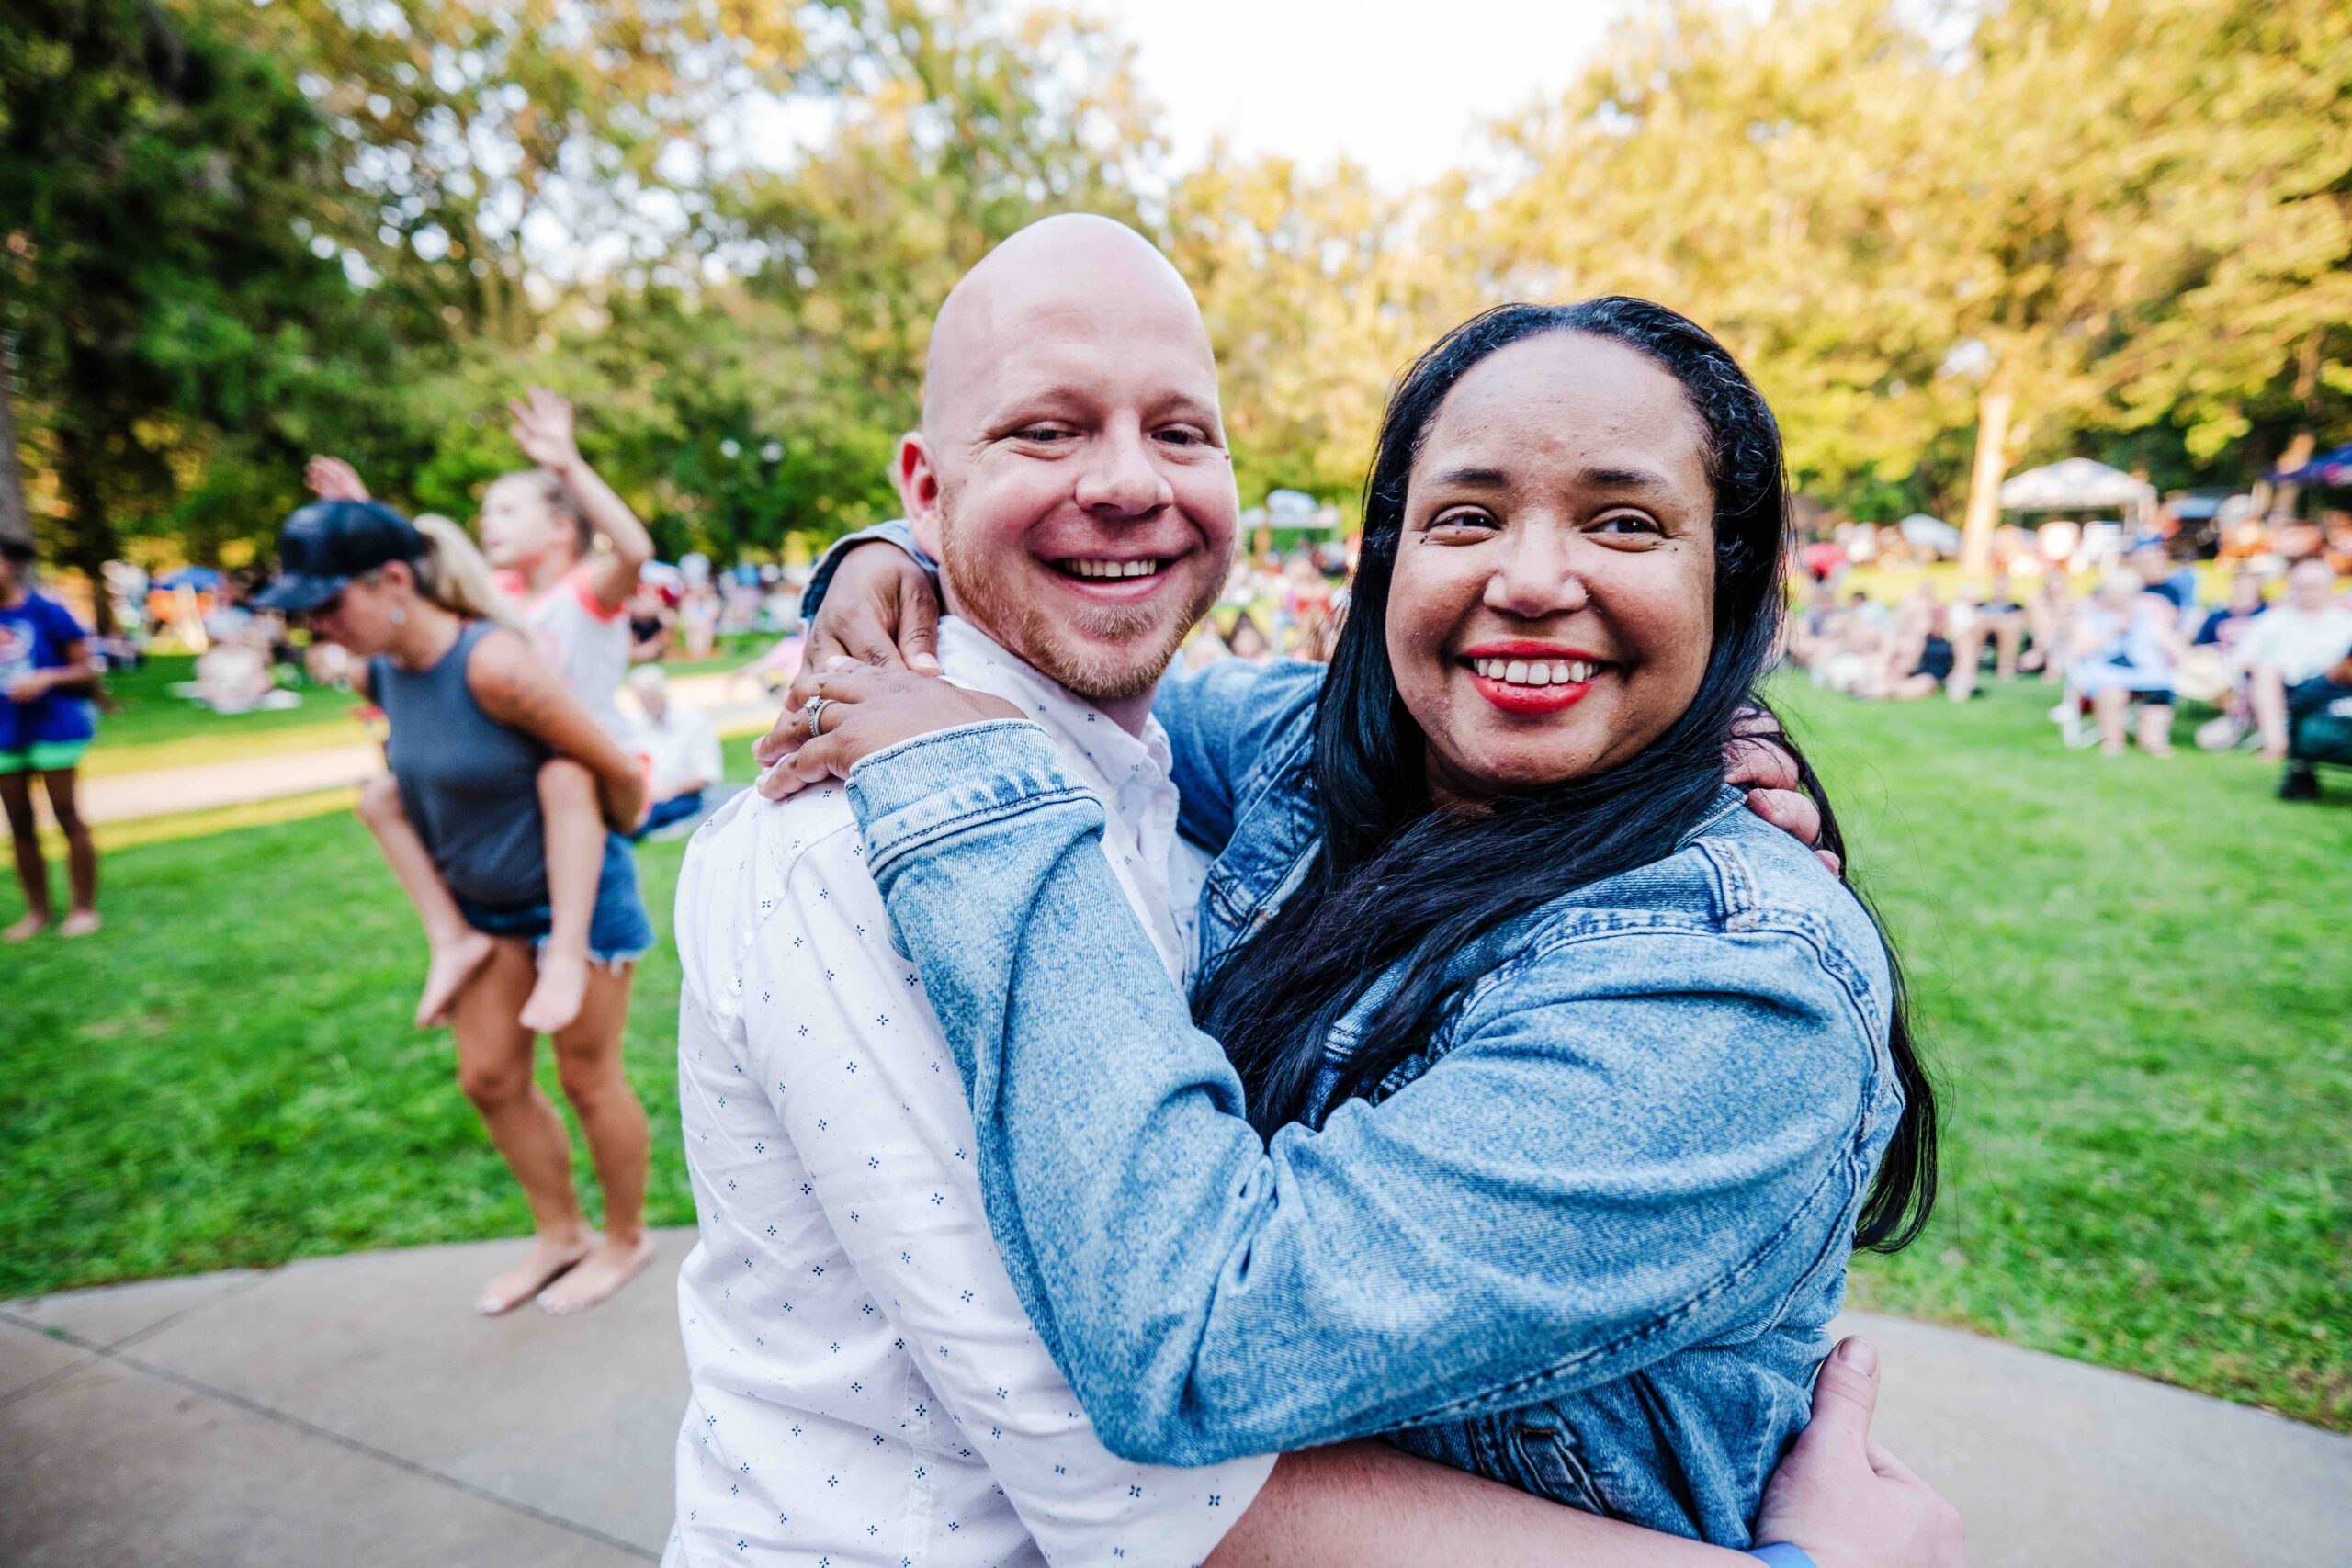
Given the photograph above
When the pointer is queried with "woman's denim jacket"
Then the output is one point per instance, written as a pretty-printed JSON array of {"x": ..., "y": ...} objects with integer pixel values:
[{"x": 1586, "y": 1242}]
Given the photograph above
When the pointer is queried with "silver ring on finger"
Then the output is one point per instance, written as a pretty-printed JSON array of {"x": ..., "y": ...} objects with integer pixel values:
[{"x": 813, "y": 716}]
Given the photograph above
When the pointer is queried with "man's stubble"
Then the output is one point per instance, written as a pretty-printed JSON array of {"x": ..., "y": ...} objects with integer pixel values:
[{"x": 1147, "y": 636}]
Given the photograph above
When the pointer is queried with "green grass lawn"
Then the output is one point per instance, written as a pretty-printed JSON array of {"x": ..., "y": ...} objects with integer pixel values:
[
  {"x": 2133, "y": 975},
  {"x": 150, "y": 727},
  {"x": 2134, "y": 980}
]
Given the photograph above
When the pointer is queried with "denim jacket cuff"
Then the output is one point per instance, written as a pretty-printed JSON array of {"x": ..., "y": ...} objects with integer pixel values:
[
  {"x": 898, "y": 531},
  {"x": 936, "y": 786}
]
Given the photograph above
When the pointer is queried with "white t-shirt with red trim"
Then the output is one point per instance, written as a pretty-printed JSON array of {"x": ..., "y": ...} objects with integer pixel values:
[{"x": 584, "y": 643}]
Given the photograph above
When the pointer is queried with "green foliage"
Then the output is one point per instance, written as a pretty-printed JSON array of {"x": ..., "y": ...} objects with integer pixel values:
[
  {"x": 174, "y": 327},
  {"x": 237, "y": 233}
]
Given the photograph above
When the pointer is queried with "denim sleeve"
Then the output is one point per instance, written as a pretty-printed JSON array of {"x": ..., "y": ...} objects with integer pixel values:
[
  {"x": 1220, "y": 721},
  {"x": 895, "y": 532},
  {"x": 1641, "y": 1141}
]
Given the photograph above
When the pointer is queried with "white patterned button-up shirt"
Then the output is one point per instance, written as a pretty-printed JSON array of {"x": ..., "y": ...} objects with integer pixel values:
[{"x": 866, "y": 1388}]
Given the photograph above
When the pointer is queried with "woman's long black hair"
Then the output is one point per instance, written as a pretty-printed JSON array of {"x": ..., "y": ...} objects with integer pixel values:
[{"x": 1399, "y": 883}]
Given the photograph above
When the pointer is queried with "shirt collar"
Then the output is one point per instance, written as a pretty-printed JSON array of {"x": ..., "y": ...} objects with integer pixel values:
[{"x": 970, "y": 657}]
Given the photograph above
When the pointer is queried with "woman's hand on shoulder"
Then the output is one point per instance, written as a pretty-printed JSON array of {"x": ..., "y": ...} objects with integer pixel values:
[
  {"x": 861, "y": 710},
  {"x": 1757, "y": 761},
  {"x": 879, "y": 611}
]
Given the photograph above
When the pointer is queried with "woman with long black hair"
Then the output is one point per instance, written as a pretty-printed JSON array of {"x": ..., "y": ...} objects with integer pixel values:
[{"x": 1539, "y": 1092}]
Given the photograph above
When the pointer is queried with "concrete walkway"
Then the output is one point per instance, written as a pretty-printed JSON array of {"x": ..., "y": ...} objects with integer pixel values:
[
  {"x": 239, "y": 781},
  {"x": 350, "y": 1411}
]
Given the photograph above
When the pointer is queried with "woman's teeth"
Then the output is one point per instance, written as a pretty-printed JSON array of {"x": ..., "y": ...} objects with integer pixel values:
[
  {"x": 1112, "y": 568},
  {"x": 1536, "y": 672}
]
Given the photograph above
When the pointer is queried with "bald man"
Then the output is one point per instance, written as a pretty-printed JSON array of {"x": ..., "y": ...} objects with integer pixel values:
[{"x": 867, "y": 1387}]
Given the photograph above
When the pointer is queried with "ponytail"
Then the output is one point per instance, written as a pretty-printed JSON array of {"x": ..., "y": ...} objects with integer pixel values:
[{"x": 453, "y": 574}]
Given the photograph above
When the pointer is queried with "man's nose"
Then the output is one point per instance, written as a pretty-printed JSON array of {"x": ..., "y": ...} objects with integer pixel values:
[
  {"x": 1121, "y": 479},
  {"x": 1538, "y": 575}
]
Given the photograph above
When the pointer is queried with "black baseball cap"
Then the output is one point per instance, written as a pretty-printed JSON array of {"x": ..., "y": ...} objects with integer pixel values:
[{"x": 325, "y": 545}]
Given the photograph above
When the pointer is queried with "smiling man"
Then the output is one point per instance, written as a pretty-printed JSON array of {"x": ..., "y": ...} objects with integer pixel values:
[{"x": 867, "y": 1387}]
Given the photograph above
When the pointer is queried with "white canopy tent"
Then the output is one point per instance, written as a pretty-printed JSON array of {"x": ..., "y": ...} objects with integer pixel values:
[{"x": 2080, "y": 484}]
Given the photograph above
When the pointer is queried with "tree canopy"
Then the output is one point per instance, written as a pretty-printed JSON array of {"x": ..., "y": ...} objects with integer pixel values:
[{"x": 233, "y": 233}]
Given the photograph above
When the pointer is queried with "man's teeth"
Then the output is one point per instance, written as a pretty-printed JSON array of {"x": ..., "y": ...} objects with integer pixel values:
[
  {"x": 1112, "y": 568},
  {"x": 1536, "y": 672}
]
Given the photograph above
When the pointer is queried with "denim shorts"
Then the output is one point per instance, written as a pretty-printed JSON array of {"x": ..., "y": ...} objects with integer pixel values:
[{"x": 619, "y": 931}]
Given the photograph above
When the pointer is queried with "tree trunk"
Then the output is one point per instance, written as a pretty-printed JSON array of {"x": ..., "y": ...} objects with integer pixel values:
[
  {"x": 1992, "y": 407},
  {"x": 94, "y": 541},
  {"x": 16, "y": 519}
]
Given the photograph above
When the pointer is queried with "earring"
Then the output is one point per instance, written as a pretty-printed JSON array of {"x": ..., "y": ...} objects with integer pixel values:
[{"x": 400, "y": 616}]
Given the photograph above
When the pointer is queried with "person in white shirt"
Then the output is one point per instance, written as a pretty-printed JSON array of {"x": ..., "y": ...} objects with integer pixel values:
[
  {"x": 681, "y": 750},
  {"x": 2291, "y": 644},
  {"x": 867, "y": 1387}
]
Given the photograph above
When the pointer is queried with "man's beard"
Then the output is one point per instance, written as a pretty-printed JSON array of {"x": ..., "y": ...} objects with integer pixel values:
[{"x": 1146, "y": 637}]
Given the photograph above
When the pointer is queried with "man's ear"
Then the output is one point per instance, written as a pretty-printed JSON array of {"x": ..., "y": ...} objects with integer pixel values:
[{"x": 917, "y": 482}]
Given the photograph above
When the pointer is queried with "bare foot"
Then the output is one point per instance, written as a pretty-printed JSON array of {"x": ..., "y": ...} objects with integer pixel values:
[
  {"x": 26, "y": 930},
  {"x": 81, "y": 922},
  {"x": 446, "y": 973},
  {"x": 614, "y": 1264},
  {"x": 554, "y": 1001},
  {"x": 547, "y": 1260}
]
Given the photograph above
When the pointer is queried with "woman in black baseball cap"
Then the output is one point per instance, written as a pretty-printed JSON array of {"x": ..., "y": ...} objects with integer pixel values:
[{"x": 513, "y": 801}]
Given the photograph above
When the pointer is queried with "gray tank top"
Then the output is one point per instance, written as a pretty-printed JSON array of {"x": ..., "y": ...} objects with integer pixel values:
[{"x": 470, "y": 785}]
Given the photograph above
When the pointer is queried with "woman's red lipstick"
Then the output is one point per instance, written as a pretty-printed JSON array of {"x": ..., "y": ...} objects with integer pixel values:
[{"x": 1551, "y": 677}]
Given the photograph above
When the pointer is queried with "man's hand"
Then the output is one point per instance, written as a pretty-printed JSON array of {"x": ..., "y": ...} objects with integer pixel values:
[
  {"x": 1756, "y": 760},
  {"x": 881, "y": 610},
  {"x": 31, "y": 688},
  {"x": 332, "y": 479},
  {"x": 1846, "y": 1500},
  {"x": 543, "y": 429},
  {"x": 865, "y": 711}
]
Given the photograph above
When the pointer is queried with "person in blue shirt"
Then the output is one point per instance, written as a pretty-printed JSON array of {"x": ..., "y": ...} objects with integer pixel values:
[{"x": 45, "y": 674}]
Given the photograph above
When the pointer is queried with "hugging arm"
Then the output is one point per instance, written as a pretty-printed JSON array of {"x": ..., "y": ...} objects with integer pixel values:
[
  {"x": 1210, "y": 1294},
  {"x": 880, "y": 607},
  {"x": 1838, "y": 1495}
]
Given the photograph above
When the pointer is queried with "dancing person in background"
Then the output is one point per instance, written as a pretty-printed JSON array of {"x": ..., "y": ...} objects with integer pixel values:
[
  {"x": 46, "y": 677},
  {"x": 540, "y": 527},
  {"x": 485, "y": 746}
]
